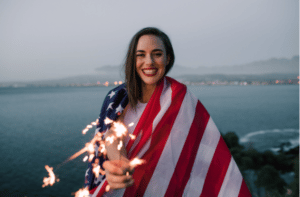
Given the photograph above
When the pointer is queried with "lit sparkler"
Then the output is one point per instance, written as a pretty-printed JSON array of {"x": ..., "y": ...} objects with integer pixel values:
[
  {"x": 119, "y": 131},
  {"x": 84, "y": 192},
  {"x": 135, "y": 162},
  {"x": 51, "y": 179},
  {"x": 107, "y": 121}
]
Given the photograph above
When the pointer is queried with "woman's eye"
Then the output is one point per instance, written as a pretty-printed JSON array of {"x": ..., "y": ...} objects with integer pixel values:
[
  {"x": 140, "y": 55},
  {"x": 158, "y": 54}
]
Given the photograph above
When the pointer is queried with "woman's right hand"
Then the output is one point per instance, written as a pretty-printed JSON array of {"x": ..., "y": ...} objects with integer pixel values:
[{"x": 118, "y": 173}]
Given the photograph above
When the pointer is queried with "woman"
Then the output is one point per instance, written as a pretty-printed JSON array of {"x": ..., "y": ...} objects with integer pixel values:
[{"x": 183, "y": 151}]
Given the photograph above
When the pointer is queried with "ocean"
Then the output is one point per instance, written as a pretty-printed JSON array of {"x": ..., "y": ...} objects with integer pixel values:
[{"x": 42, "y": 126}]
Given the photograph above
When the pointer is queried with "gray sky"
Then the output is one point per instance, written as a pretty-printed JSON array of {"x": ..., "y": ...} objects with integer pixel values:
[{"x": 52, "y": 39}]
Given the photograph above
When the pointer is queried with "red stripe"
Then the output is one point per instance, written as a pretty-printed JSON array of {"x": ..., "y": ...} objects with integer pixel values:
[
  {"x": 146, "y": 121},
  {"x": 244, "y": 191},
  {"x": 143, "y": 174},
  {"x": 217, "y": 170},
  {"x": 188, "y": 154}
]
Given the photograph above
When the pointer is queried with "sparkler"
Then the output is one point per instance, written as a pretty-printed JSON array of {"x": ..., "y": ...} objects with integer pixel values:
[
  {"x": 51, "y": 179},
  {"x": 84, "y": 192},
  {"x": 119, "y": 131}
]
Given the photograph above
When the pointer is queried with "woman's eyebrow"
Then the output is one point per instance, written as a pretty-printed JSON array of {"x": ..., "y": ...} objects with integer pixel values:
[{"x": 155, "y": 50}]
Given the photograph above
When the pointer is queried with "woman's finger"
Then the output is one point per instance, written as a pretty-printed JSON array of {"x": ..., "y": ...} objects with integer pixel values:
[
  {"x": 120, "y": 185},
  {"x": 111, "y": 178},
  {"x": 112, "y": 168},
  {"x": 117, "y": 167}
]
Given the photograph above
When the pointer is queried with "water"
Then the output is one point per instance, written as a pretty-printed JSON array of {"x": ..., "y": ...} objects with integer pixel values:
[{"x": 42, "y": 126}]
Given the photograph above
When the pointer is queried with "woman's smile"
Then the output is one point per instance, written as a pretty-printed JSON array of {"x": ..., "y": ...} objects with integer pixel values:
[
  {"x": 149, "y": 72},
  {"x": 151, "y": 60}
]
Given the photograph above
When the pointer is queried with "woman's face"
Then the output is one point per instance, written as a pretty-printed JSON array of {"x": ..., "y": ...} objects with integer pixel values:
[{"x": 151, "y": 59}]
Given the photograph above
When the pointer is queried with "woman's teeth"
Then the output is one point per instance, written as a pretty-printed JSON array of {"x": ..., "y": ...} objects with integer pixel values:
[{"x": 150, "y": 71}]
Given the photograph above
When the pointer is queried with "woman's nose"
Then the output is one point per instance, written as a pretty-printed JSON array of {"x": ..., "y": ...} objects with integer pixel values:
[{"x": 149, "y": 60}]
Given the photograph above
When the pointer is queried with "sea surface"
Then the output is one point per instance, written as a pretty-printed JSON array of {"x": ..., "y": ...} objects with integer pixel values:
[{"x": 42, "y": 126}]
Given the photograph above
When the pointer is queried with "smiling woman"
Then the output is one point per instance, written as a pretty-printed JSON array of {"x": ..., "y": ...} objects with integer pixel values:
[{"x": 182, "y": 151}]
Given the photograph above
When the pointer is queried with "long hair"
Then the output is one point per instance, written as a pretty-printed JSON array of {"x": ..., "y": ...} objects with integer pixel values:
[{"x": 132, "y": 79}]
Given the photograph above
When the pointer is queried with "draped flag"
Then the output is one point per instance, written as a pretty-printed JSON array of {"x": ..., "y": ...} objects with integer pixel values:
[{"x": 184, "y": 152}]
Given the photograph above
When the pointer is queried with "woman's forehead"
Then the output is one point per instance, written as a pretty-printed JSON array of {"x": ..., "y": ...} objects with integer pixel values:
[{"x": 150, "y": 42}]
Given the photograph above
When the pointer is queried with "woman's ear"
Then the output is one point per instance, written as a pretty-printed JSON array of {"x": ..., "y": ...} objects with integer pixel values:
[{"x": 168, "y": 59}]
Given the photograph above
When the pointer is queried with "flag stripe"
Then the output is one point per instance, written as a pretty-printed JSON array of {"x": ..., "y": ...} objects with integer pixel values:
[
  {"x": 185, "y": 163},
  {"x": 203, "y": 159},
  {"x": 158, "y": 142},
  {"x": 184, "y": 151},
  {"x": 146, "y": 121},
  {"x": 244, "y": 192},
  {"x": 232, "y": 181},
  {"x": 217, "y": 170},
  {"x": 170, "y": 155}
]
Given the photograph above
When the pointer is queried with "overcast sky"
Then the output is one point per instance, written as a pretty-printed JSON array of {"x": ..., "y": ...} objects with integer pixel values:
[{"x": 53, "y": 39}]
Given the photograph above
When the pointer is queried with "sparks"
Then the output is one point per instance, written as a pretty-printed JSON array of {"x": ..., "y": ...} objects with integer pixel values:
[
  {"x": 107, "y": 188},
  {"x": 91, "y": 157},
  {"x": 51, "y": 179},
  {"x": 85, "y": 158},
  {"x": 135, "y": 162},
  {"x": 82, "y": 193},
  {"x": 132, "y": 136},
  {"x": 120, "y": 129},
  {"x": 110, "y": 139},
  {"x": 107, "y": 121},
  {"x": 120, "y": 145},
  {"x": 131, "y": 124},
  {"x": 84, "y": 131},
  {"x": 89, "y": 126}
]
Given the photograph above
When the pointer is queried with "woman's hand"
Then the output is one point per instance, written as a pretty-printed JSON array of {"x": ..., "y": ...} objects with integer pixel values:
[{"x": 118, "y": 173}]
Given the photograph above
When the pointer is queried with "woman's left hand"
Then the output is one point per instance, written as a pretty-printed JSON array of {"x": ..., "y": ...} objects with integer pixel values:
[{"x": 118, "y": 173}]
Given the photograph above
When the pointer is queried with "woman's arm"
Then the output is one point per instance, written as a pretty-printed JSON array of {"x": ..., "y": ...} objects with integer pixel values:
[{"x": 117, "y": 169}]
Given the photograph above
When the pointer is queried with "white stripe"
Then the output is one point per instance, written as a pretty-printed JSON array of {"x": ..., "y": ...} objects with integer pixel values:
[
  {"x": 114, "y": 193},
  {"x": 98, "y": 189},
  {"x": 232, "y": 182},
  {"x": 203, "y": 159},
  {"x": 165, "y": 102},
  {"x": 172, "y": 150}
]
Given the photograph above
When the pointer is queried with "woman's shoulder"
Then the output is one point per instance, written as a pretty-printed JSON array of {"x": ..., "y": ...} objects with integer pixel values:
[{"x": 116, "y": 92}]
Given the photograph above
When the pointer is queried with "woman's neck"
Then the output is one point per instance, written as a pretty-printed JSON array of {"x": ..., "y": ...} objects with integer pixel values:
[{"x": 147, "y": 91}]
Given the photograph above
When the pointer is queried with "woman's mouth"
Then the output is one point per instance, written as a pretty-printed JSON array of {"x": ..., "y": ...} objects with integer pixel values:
[{"x": 149, "y": 72}]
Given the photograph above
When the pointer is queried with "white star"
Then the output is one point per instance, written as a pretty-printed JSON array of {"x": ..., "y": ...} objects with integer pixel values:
[
  {"x": 87, "y": 172},
  {"x": 111, "y": 94},
  {"x": 119, "y": 109},
  {"x": 97, "y": 180},
  {"x": 110, "y": 106}
]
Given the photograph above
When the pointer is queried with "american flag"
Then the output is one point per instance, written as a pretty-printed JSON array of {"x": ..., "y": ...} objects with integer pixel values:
[{"x": 184, "y": 152}]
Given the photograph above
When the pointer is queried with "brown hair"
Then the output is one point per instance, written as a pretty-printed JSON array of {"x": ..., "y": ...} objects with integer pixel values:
[{"x": 132, "y": 79}]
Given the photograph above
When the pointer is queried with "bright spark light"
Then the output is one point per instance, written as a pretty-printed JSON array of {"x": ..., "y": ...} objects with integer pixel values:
[
  {"x": 107, "y": 121},
  {"x": 85, "y": 158},
  {"x": 131, "y": 124},
  {"x": 93, "y": 123},
  {"x": 120, "y": 129},
  {"x": 96, "y": 171},
  {"x": 89, "y": 126},
  {"x": 132, "y": 136},
  {"x": 102, "y": 148},
  {"x": 84, "y": 131},
  {"x": 107, "y": 188},
  {"x": 91, "y": 157},
  {"x": 120, "y": 145},
  {"x": 110, "y": 139},
  {"x": 82, "y": 193},
  {"x": 135, "y": 162},
  {"x": 120, "y": 82},
  {"x": 51, "y": 179}
]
